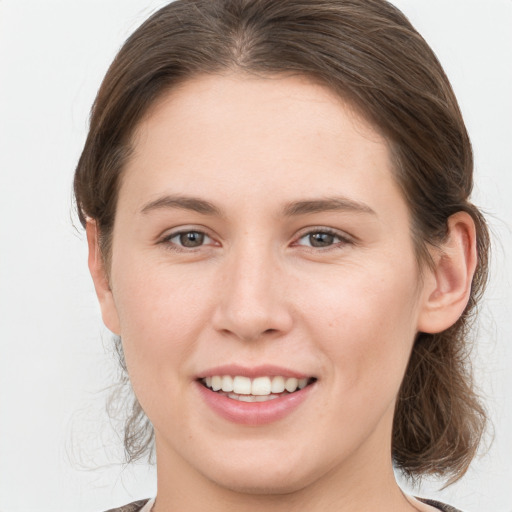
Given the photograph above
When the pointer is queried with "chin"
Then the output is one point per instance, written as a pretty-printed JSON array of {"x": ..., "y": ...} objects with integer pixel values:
[
  {"x": 261, "y": 486},
  {"x": 262, "y": 479}
]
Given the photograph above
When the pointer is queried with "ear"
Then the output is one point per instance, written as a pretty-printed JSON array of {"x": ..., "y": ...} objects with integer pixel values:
[
  {"x": 447, "y": 287},
  {"x": 100, "y": 279}
]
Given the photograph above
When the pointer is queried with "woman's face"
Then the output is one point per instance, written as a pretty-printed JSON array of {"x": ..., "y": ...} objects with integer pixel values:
[{"x": 260, "y": 238}]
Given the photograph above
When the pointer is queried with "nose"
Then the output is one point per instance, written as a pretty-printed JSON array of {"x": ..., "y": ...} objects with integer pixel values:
[{"x": 252, "y": 301}]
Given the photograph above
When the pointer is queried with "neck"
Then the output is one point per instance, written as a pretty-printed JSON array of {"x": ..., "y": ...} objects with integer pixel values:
[{"x": 365, "y": 481}]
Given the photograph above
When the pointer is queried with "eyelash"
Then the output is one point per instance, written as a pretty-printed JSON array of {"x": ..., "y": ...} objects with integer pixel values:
[
  {"x": 342, "y": 239},
  {"x": 167, "y": 240}
]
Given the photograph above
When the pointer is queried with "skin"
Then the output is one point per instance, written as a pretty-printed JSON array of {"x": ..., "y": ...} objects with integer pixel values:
[{"x": 256, "y": 292}]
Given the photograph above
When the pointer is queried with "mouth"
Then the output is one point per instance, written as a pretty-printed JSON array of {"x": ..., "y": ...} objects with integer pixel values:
[{"x": 259, "y": 389}]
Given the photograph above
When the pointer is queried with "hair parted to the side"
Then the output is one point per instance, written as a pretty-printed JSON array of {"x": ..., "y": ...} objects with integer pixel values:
[{"x": 367, "y": 52}]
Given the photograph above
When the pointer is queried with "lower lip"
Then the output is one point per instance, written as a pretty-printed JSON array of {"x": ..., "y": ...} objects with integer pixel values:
[{"x": 253, "y": 413}]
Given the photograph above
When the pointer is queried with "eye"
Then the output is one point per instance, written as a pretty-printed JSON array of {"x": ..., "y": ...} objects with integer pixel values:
[
  {"x": 190, "y": 239},
  {"x": 322, "y": 238}
]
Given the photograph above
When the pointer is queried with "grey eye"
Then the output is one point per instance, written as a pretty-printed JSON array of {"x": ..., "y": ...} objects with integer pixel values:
[
  {"x": 189, "y": 239},
  {"x": 320, "y": 239}
]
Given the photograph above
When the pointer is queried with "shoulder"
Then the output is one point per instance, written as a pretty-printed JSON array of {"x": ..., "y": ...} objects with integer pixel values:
[
  {"x": 135, "y": 506},
  {"x": 441, "y": 506}
]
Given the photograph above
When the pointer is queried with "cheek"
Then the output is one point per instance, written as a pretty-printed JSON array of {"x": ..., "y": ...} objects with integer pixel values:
[
  {"x": 367, "y": 325},
  {"x": 161, "y": 313}
]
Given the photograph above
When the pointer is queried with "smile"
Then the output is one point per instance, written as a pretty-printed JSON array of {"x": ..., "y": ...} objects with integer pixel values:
[{"x": 259, "y": 389}]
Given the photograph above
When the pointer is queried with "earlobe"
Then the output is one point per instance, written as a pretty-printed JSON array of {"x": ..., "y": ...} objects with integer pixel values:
[
  {"x": 100, "y": 278},
  {"x": 448, "y": 283}
]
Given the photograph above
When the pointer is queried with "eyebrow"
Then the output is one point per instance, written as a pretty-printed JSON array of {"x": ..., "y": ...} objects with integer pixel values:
[
  {"x": 184, "y": 203},
  {"x": 329, "y": 204},
  {"x": 295, "y": 208}
]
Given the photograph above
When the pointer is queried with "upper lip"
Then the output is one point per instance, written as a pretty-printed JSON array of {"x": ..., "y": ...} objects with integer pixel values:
[{"x": 265, "y": 370}]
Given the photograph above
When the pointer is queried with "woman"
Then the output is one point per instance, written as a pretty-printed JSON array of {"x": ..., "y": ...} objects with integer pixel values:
[{"x": 276, "y": 200}]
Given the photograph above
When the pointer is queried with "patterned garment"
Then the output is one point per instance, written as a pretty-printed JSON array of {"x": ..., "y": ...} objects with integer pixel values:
[
  {"x": 441, "y": 506},
  {"x": 137, "y": 506}
]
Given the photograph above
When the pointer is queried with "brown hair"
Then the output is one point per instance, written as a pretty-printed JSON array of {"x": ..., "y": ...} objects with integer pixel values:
[{"x": 368, "y": 52}]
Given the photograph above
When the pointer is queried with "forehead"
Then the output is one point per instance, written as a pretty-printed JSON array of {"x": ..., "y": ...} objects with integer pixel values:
[
  {"x": 263, "y": 101},
  {"x": 230, "y": 134}
]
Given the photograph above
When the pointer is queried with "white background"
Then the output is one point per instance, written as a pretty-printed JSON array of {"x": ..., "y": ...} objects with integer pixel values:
[{"x": 54, "y": 354}]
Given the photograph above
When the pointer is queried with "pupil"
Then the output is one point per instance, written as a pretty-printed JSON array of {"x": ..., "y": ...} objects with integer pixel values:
[
  {"x": 321, "y": 239},
  {"x": 191, "y": 239}
]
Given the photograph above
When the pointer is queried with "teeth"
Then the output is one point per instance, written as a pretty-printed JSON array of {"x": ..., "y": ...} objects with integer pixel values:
[
  {"x": 261, "y": 386},
  {"x": 252, "y": 398},
  {"x": 254, "y": 390},
  {"x": 277, "y": 385},
  {"x": 265, "y": 398},
  {"x": 291, "y": 384},
  {"x": 216, "y": 383},
  {"x": 247, "y": 398},
  {"x": 227, "y": 383},
  {"x": 242, "y": 385}
]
